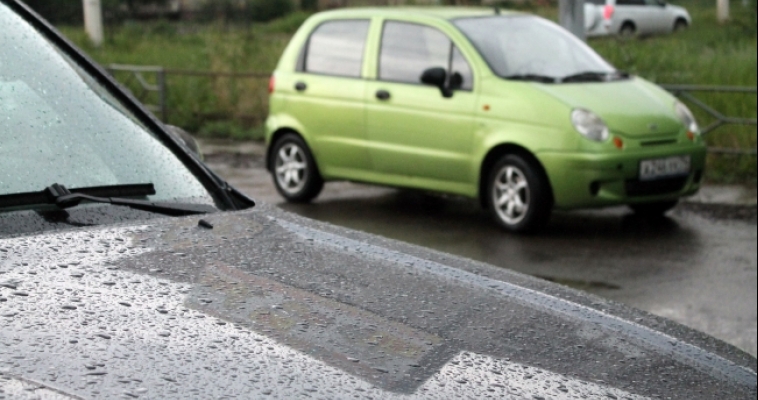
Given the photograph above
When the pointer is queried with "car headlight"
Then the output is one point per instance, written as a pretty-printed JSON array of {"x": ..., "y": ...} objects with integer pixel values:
[
  {"x": 589, "y": 125},
  {"x": 685, "y": 115}
]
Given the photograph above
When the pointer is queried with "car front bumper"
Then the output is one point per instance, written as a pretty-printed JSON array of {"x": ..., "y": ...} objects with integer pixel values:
[{"x": 584, "y": 179}]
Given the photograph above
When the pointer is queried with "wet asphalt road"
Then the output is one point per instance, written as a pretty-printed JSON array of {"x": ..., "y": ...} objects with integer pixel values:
[{"x": 697, "y": 267}]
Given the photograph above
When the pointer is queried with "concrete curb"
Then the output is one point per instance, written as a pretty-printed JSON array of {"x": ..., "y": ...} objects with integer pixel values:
[{"x": 717, "y": 194}]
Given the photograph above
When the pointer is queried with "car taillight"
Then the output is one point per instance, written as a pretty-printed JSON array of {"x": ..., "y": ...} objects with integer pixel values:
[
  {"x": 608, "y": 12},
  {"x": 271, "y": 84}
]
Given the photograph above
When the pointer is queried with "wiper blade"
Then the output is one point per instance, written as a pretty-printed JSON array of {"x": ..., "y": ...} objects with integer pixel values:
[
  {"x": 532, "y": 77},
  {"x": 595, "y": 76},
  {"x": 62, "y": 197}
]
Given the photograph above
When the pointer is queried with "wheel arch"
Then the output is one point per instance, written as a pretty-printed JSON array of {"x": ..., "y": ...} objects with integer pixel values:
[
  {"x": 500, "y": 151},
  {"x": 628, "y": 22},
  {"x": 681, "y": 19}
]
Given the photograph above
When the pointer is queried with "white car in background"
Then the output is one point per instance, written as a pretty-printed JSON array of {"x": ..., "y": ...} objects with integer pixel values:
[{"x": 633, "y": 17}]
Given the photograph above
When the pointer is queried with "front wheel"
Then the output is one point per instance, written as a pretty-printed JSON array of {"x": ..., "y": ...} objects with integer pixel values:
[
  {"x": 680, "y": 25},
  {"x": 518, "y": 195},
  {"x": 296, "y": 175}
]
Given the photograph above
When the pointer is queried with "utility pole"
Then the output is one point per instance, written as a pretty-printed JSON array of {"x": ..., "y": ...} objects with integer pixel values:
[
  {"x": 571, "y": 17},
  {"x": 93, "y": 21},
  {"x": 722, "y": 10}
]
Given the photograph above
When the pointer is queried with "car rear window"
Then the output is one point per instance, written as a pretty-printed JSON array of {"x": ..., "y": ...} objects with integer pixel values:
[{"x": 336, "y": 48}]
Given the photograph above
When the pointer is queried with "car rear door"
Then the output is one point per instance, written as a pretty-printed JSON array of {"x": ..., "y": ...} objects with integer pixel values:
[
  {"x": 415, "y": 131},
  {"x": 635, "y": 11},
  {"x": 661, "y": 19},
  {"x": 327, "y": 93}
]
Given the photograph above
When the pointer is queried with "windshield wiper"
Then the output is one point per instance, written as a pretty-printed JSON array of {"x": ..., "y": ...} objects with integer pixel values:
[
  {"x": 532, "y": 77},
  {"x": 62, "y": 197},
  {"x": 595, "y": 76}
]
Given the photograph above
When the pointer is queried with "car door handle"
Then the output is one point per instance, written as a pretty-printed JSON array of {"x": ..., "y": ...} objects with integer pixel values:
[
  {"x": 383, "y": 95},
  {"x": 301, "y": 86}
]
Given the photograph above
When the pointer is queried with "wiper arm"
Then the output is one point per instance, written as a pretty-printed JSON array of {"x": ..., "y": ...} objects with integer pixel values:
[
  {"x": 61, "y": 197},
  {"x": 532, "y": 77},
  {"x": 594, "y": 76}
]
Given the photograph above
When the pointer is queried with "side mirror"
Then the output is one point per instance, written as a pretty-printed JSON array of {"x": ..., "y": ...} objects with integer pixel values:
[
  {"x": 186, "y": 139},
  {"x": 437, "y": 76}
]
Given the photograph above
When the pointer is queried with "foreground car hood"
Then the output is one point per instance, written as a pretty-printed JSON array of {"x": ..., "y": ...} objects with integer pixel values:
[
  {"x": 629, "y": 107},
  {"x": 270, "y": 304}
]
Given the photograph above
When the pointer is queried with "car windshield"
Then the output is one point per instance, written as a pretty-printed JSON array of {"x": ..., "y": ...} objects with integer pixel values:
[
  {"x": 529, "y": 47},
  {"x": 59, "y": 125}
]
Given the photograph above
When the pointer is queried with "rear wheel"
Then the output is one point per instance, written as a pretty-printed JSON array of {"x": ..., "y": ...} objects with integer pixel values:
[
  {"x": 296, "y": 175},
  {"x": 627, "y": 30},
  {"x": 518, "y": 195},
  {"x": 656, "y": 209}
]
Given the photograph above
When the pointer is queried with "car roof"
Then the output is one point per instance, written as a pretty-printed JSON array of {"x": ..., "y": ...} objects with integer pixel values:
[{"x": 446, "y": 13}]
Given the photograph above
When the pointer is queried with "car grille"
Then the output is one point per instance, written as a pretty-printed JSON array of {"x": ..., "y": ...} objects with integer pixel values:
[{"x": 651, "y": 188}]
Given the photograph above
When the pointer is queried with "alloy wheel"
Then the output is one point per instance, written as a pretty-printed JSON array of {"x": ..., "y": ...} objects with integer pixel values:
[
  {"x": 511, "y": 195},
  {"x": 291, "y": 168}
]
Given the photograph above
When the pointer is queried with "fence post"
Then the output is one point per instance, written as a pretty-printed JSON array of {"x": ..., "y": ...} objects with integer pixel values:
[
  {"x": 571, "y": 15},
  {"x": 163, "y": 97}
]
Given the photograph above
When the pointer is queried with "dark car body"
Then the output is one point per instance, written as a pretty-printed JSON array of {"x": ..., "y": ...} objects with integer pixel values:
[{"x": 109, "y": 302}]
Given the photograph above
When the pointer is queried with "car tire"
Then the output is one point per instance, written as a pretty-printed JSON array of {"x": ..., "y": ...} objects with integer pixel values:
[
  {"x": 518, "y": 195},
  {"x": 628, "y": 30},
  {"x": 294, "y": 170},
  {"x": 657, "y": 209}
]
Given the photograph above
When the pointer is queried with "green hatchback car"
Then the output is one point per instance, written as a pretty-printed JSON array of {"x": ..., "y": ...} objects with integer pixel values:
[{"x": 505, "y": 107}]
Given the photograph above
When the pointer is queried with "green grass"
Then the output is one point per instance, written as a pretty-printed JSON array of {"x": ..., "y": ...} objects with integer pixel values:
[
  {"x": 706, "y": 54},
  {"x": 197, "y": 101}
]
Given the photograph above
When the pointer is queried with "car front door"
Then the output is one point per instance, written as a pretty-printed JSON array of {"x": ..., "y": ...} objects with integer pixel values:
[{"x": 414, "y": 130}]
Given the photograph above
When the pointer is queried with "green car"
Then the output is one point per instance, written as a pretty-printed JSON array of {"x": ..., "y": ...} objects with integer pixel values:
[{"x": 505, "y": 107}]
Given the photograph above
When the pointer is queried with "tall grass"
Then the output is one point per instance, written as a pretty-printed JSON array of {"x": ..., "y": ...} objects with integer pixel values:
[
  {"x": 218, "y": 106},
  {"x": 706, "y": 54}
]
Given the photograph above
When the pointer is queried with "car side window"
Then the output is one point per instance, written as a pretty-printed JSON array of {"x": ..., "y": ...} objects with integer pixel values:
[
  {"x": 336, "y": 48},
  {"x": 410, "y": 49},
  {"x": 630, "y": 2}
]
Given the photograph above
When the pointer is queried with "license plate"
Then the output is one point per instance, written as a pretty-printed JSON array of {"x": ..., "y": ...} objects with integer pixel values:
[{"x": 664, "y": 167}]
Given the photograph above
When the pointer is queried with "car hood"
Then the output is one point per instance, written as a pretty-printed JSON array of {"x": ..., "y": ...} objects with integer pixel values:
[
  {"x": 267, "y": 303},
  {"x": 632, "y": 107}
]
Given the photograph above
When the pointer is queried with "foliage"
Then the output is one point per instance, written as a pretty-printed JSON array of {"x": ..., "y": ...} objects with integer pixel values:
[
  {"x": 227, "y": 129},
  {"x": 707, "y": 53},
  {"x": 288, "y": 24},
  {"x": 59, "y": 11},
  {"x": 71, "y": 12},
  {"x": 246, "y": 10}
]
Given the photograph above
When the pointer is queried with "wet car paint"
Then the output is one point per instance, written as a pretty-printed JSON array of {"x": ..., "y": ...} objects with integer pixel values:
[{"x": 270, "y": 304}]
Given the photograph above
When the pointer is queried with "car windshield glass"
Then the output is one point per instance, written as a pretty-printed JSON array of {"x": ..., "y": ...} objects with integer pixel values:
[
  {"x": 59, "y": 125},
  {"x": 522, "y": 46}
]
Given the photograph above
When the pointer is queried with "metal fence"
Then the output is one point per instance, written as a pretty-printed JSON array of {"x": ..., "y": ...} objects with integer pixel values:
[
  {"x": 150, "y": 85},
  {"x": 687, "y": 93}
]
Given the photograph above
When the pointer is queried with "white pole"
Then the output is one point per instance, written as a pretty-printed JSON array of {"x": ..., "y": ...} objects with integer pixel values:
[
  {"x": 93, "y": 21},
  {"x": 571, "y": 16},
  {"x": 722, "y": 10}
]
